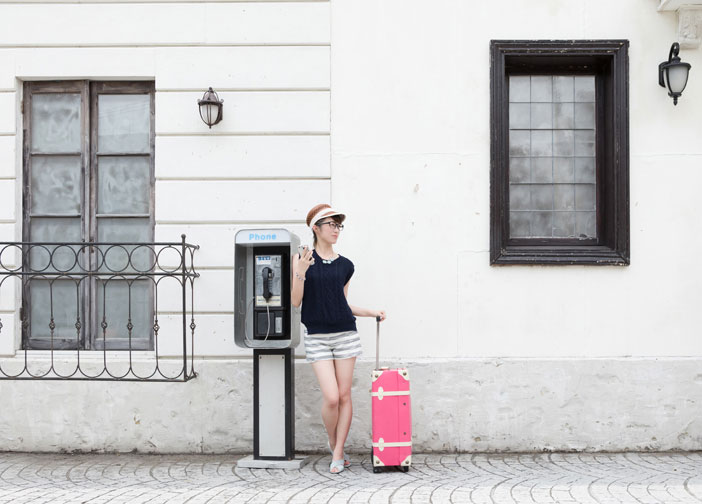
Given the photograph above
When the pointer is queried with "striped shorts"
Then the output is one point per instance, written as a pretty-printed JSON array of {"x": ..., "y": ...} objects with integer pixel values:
[{"x": 339, "y": 345}]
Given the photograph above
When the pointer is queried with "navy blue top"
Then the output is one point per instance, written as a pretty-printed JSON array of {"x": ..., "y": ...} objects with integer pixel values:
[{"x": 324, "y": 306}]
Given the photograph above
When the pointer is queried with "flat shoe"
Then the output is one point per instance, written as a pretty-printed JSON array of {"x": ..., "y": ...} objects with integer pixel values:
[
  {"x": 336, "y": 466},
  {"x": 347, "y": 460}
]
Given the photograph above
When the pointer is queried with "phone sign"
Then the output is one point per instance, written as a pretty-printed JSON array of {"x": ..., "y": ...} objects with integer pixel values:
[
  {"x": 262, "y": 236},
  {"x": 263, "y": 260}
]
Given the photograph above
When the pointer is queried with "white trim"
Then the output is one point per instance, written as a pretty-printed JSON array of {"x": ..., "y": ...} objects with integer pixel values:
[
  {"x": 382, "y": 393},
  {"x": 161, "y": 44},
  {"x": 219, "y": 222},
  {"x": 244, "y": 90},
  {"x": 238, "y": 133},
  {"x": 381, "y": 444},
  {"x": 689, "y": 20},
  {"x": 690, "y": 26},
  {"x": 673, "y": 5},
  {"x": 248, "y": 179},
  {"x": 55, "y": 2}
]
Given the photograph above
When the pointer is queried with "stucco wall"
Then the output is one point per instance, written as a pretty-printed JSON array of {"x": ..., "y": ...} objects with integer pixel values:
[
  {"x": 418, "y": 147},
  {"x": 382, "y": 108},
  {"x": 457, "y": 405}
]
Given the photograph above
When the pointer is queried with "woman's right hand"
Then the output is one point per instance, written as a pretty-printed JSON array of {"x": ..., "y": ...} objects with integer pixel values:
[{"x": 306, "y": 260}]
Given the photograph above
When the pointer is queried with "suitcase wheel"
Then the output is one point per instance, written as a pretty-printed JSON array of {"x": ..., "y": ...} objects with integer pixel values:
[
  {"x": 376, "y": 470},
  {"x": 405, "y": 468}
]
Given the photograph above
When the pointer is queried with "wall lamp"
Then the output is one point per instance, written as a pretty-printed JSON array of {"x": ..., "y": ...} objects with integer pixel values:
[
  {"x": 673, "y": 73},
  {"x": 210, "y": 108}
]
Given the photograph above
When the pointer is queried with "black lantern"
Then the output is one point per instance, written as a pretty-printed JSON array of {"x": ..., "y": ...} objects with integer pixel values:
[
  {"x": 210, "y": 108},
  {"x": 673, "y": 73}
]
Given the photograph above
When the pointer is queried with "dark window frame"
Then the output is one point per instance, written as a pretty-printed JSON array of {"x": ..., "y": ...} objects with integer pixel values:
[
  {"x": 608, "y": 61},
  {"x": 89, "y": 91}
]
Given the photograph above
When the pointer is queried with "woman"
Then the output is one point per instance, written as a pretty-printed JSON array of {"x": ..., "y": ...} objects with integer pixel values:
[{"x": 321, "y": 284}]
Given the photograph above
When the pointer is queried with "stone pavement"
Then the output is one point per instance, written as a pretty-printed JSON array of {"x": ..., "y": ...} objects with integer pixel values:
[{"x": 436, "y": 478}]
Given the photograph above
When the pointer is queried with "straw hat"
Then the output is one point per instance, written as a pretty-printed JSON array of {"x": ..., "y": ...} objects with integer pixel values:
[{"x": 320, "y": 212}]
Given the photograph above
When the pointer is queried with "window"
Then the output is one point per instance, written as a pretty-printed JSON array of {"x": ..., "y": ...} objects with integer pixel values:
[
  {"x": 559, "y": 152},
  {"x": 88, "y": 176}
]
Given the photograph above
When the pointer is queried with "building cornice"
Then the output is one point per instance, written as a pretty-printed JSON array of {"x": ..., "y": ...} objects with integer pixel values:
[{"x": 689, "y": 20}]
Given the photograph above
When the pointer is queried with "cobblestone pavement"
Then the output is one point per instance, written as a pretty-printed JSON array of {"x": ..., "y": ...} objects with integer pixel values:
[{"x": 541, "y": 478}]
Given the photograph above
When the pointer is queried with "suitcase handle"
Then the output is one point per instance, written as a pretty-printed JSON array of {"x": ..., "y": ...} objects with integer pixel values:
[{"x": 377, "y": 343}]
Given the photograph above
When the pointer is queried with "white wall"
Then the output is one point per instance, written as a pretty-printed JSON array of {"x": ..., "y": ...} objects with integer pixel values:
[
  {"x": 264, "y": 165},
  {"x": 410, "y": 132},
  {"x": 382, "y": 108}
]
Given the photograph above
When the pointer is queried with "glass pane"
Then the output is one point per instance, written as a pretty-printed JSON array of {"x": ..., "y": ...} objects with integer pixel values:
[
  {"x": 519, "y": 224},
  {"x": 541, "y": 197},
  {"x": 541, "y": 143},
  {"x": 519, "y": 116},
  {"x": 118, "y": 302},
  {"x": 585, "y": 89},
  {"x": 541, "y": 116},
  {"x": 124, "y": 123},
  {"x": 552, "y": 169},
  {"x": 541, "y": 89},
  {"x": 61, "y": 296},
  {"x": 519, "y": 89},
  {"x": 584, "y": 142},
  {"x": 519, "y": 143},
  {"x": 585, "y": 115},
  {"x": 563, "y": 116},
  {"x": 125, "y": 230},
  {"x": 585, "y": 197},
  {"x": 563, "y": 144},
  {"x": 54, "y": 229},
  {"x": 519, "y": 170},
  {"x": 56, "y": 184},
  {"x": 56, "y": 123},
  {"x": 542, "y": 169},
  {"x": 519, "y": 197},
  {"x": 542, "y": 224},
  {"x": 585, "y": 224},
  {"x": 564, "y": 197},
  {"x": 124, "y": 185},
  {"x": 564, "y": 224},
  {"x": 113, "y": 229},
  {"x": 585, "y": 170},
  {"x": 562, "y": 88},
  {"x": 563, "y": 169}
]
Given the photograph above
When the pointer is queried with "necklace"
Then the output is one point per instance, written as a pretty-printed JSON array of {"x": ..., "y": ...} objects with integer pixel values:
[{"x": 327, "y": 261}]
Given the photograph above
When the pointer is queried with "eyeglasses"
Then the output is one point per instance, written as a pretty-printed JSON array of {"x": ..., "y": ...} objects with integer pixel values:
[{"x": 333, "y": 225}]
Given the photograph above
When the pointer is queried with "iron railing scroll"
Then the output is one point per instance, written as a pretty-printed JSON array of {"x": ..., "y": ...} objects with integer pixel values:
[{"x": 97, "y": 311}]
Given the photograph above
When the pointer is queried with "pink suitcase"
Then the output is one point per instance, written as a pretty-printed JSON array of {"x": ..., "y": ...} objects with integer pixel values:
[{"x": 391, "y": 415}]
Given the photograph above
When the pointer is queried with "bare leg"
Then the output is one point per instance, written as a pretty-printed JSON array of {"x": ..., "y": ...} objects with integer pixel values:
[
  {"x": 330, "y": 397},
  {"x": 344, "y": 378}
]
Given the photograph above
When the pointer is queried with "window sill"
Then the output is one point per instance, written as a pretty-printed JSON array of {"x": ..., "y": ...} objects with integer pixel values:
[{"x": 596, "y": 255}]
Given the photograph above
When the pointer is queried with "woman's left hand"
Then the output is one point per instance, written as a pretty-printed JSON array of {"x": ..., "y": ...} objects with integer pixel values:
[{"x": 381, "y": 314}]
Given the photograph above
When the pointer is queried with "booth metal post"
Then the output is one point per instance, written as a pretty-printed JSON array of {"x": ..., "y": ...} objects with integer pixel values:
[
  {"x": 274, "y": 404},
  {"x": 274, "y": 411},
  {"x": 266, "y": 322}
]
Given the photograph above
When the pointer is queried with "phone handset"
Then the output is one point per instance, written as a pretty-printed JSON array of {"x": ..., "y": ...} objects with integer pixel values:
[{"x": 267, "y": 274}]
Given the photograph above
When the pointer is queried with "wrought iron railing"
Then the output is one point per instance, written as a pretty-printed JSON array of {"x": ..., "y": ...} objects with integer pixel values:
[{"x": 97, "y": 311}]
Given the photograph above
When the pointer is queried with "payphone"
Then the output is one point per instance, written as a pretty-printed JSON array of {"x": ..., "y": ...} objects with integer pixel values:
[
  {"x": 264, "y": 317},
  {"x": 266, "y": 321}
]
